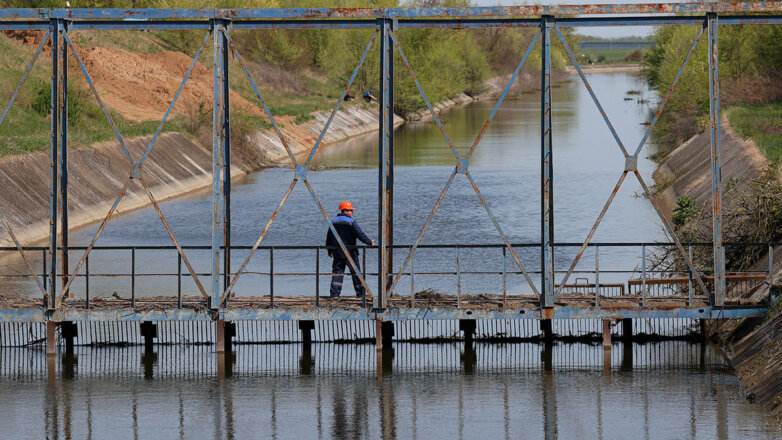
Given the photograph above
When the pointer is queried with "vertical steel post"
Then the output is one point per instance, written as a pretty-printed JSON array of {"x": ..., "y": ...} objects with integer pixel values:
[
  {"x": 643, "y": 275},
  {"x": 226, "y": 161},
  {"x": 770, "y": 275},
  {"x": 689, "y": 279},
  {"x": 217, "y": 161},
  {"x": 64, "y": 160},
  {"x": 597, "y": 276},
  {"x": 385, "y": 175},
  {"x": 546, "y": 168},
  {"x": 53, "y": 174},
  {"x": 716, "y": 162}
]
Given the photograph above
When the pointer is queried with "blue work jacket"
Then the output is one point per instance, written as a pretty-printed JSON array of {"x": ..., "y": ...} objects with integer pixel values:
[{"x": 348, "y": 231}]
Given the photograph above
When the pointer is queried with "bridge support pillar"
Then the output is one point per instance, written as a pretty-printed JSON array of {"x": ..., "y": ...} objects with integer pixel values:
[
  {"x": 384, "y": 334},
  {"x": 627, "y": 330},
  {"x": 69, "y": 332},
  {"x": 704, "y": 330},
  {"x": 607, "y": 334},
  {"x": 468, "y": 326},
  {"x": 546, "y": 329},
  {"x": 51, "y": 337},
  {"x": 306, "y": 328},
  {"x": 225, "y": 331},
  {"x": 149, "y": 333}
]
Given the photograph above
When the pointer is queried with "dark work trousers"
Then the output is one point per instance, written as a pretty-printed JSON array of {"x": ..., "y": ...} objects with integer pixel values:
[{"x": 338, "y": 267}]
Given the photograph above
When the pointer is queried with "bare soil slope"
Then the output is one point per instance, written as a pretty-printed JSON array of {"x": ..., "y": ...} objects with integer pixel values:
[{"x": 141, "y": 86}]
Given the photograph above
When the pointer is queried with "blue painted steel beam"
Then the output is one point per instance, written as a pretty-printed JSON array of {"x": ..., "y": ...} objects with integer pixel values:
[
  {"x": 656, "y": 20},
  {"x": 40, "y": 315},
  {"x": 54, "y": 166},
  {"x": 716, "y": 162},
  {"x": 218, "y": 134},
  {"x": 546, "y": 168},
  {"x": 385, "y": 151},
  {"x": 64, "y": 158},
  {"x": 24, "y": 26},
  {"x": 226, "y": 161},
  {"x": 355, "y": 13},
  {"x": 138, "y": 25}
]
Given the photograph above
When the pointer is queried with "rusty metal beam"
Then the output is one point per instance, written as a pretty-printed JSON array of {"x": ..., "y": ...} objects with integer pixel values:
[
  {"x": 357, "y": 13},
  {"x": 716, "y": 161}
]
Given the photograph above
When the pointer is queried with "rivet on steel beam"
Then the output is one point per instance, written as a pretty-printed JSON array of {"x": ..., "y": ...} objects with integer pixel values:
[
  {"x": 631, "y": 163},
  {"x": 462, "y": 165}
]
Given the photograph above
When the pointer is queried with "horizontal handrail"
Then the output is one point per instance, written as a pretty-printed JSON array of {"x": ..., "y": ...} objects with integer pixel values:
[{"x": 396, "y": 246}]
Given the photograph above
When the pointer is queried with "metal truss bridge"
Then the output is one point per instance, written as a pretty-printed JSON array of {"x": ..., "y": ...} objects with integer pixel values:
[{"x": 692, "y": 292}]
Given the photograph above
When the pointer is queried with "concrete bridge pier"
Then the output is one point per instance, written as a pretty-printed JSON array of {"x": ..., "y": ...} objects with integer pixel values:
[
  {"x": 547, "y": 330},
  {"x": 51, "y": 338},
  {"x": 468, "y": 326},
  {"x": 607, "y": 334},
  {"x": 225, "y": 331},
  {"x": 149, "y": 333},
  {"x": 627, "y": 330},
  {"x": 607, "y": 345},
  {"x": 306, "y": 327},
  {"x": 68, "y": 331},
  {"x": 384, "y": 334}
]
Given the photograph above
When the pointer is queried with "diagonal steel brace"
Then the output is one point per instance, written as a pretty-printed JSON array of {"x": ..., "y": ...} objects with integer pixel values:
[
  {"x": 630, "y": 162},
  {"x": 300, "y": 169},
  {"x": 462, "y": 164}
]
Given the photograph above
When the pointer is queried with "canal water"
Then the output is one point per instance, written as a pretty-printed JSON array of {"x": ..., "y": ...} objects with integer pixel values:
[
  {"x": 666, "y": 390},
  {"x": 505, "y": 166}
]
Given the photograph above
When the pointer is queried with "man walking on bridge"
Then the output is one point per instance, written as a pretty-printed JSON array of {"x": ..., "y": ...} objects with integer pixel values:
[{"x": 348, "y": 231}]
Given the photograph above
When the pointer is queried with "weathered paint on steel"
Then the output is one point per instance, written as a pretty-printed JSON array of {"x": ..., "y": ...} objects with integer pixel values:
[
  {"x": 385, "y": 112},
  {"x": 716, "y": 161},
  {"x": 399, "y": 13},
  {"x": 548, "y": 292},
  {"x": 54, "y": 165},
  {"x": 460, "y": 23},
  {"x": 230, "y": 314}
]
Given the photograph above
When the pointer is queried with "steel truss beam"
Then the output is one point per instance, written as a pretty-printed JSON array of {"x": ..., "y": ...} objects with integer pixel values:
[
  {"x": 57, "y": 24},
  {"x": 38, "y": 315},
  {"x": 398, "y": 13}
]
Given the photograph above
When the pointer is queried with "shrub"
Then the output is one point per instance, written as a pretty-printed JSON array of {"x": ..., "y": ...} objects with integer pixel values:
[
  {"x": 686, "y": 209},
  {"x": 635, "y": 56}
]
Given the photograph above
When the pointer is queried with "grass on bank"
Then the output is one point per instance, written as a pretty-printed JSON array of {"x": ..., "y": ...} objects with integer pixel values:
[{"x": 762, "y": 124}]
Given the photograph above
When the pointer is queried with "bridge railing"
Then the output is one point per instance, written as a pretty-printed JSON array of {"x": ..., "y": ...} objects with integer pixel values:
[
  {"x": 547, "y": 281},
  {"x": 465, "y": 275}
]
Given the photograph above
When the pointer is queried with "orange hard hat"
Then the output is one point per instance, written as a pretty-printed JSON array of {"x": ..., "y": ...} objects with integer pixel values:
[{"x": 345, "y": 206}]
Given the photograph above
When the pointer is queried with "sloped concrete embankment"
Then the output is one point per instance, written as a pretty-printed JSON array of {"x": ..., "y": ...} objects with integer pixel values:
[
  {"x": 757, "y": 359},
  {"x": 349, "y": 122},
  {"x": 754, "y": 346},
  {"x": 176, "y": 165},
  {"x": 687, "y": 170}
]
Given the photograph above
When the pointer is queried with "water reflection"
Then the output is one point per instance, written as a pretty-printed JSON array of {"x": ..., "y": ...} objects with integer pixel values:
[{"x": 515, "y": 390}]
